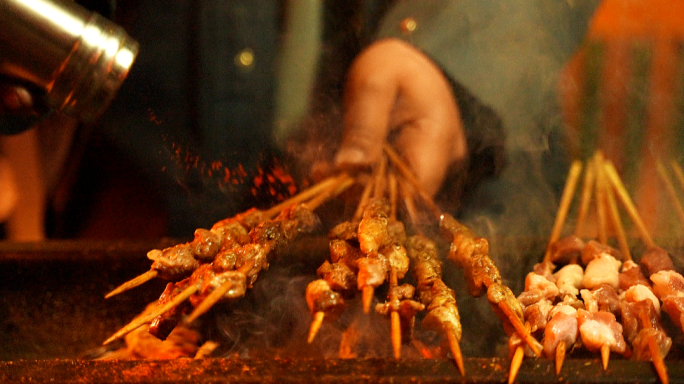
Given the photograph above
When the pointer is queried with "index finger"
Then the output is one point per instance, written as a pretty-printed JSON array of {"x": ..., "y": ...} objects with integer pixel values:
[{"x": 368, "y": 101}]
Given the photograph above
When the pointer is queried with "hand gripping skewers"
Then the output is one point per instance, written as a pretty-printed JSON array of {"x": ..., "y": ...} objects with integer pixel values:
[
  {"x": 373, "y": 248},
  {"x": 222, "y": 263}
]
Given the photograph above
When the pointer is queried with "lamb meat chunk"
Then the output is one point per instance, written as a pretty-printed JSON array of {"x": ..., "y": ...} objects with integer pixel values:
[
  {"x": 205, "y": 245},
  {"x": 601, "y": 328},
  {"x": 567, "y": 250},
  {"x": 174, "y": 263},
  {"x": 338, "y": 275},
  {"x": 593, "y": 248},
  {"x": 372, "y": 271},
  {"x": 343, "y": 252},
  {"x": 656, "y": 259},
  {"x": 562, "y": 327},
  {"x": 641, "y": 348},
  {"x": 321, "y": 298},
  {"x": 631, "y": 275}
]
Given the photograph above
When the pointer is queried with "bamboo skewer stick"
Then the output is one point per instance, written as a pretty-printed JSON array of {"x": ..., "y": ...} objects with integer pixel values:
[
  {"x": 605, "y": 356},
  {"x": 407, "y": 196},
  {"x": 392, "y": 186},
  {"x": 669, "y": 187},
  {"x": 522, "y": 329},
  {"x": 656, "y": 356},
  {"x": 137, "y": 322},
  {"x": 617, "y": 223},
  {"x": 614, "y": 215},
  {"x": 566, "y": 199},
  {"x": 363, "y": 200},
  {"x": 216, "y": 295},
  {"x": 658, "y": 361},
  {"x": 679, "y": 174},
  {"x": 367, "y": 294},
  {"x": 585, "y": 198},
  {"x": 134, "y": 282},
  {"x": 622, "y": 194},
  {"x": 560, "y": 356},
  {"x": 380, "y": 174},
  {"x": 343, "y": 182},
  {"x": 315, "y": 325},
  {"x": 318, "y": 191},
  {"x": 516, "y": 362},
  {"x": 303, "y": 196},
  {"x": 601, "y": 199},
  {"x": 411, "y": 178},
  {"x": 456, "y": 351},
  {"x": 395, "y": 320}
]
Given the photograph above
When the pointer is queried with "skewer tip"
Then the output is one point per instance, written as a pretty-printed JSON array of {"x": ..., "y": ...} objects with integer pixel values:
[
  {"x": 134, "y": 282},
  {"x": 396, "y": 333},
  {"x": 456, "y": 351},
  {"x": 605, "y": 356},
  {"x": 658, "y": 361},
  {"x": 560, "y": 356},
  {"x": 315, "y": 325},
  {"x": 367, "y": 298},
  {"x": 516, "y": 362},
  {"x": 521, "y": 328}
]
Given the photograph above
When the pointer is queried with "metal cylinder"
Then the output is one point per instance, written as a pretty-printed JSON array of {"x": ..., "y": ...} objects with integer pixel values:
[{"x": 76, "y": 57}]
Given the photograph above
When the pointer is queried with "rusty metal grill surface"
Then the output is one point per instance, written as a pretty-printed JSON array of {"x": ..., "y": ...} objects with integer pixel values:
[{"x": 53, "y": 313}]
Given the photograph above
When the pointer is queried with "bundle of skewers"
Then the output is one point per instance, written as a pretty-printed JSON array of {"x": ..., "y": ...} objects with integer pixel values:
[
  {"x": 371, "y": 249},
  {"x": 588, "y": 295}
]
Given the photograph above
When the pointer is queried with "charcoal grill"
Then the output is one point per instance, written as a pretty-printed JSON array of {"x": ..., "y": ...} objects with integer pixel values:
[{"x": 54, "y": 316}]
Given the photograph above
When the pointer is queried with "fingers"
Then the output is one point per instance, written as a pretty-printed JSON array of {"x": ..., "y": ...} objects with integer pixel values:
[
  {"x": 429, "y": 148},
  {"x": 392, "y": 87},
  {"x": 370, "y": 94}
]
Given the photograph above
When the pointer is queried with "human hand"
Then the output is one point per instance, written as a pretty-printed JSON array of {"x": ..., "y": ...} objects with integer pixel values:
[{"x": 394, "y": 90}]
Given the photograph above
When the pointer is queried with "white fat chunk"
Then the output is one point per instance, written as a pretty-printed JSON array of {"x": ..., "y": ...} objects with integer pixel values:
[
  {"x": 641, "y": 292},
  {"x": 604, "y": 269}
]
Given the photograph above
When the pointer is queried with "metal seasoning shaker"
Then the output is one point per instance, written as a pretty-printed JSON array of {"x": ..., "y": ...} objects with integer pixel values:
[{"x": 76, "y": 57}]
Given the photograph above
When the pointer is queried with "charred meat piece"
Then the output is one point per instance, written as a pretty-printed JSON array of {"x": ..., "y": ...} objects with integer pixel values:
[
  {"x": 537, "y": 288},
  {"x": 656, "y": 259},
  {"x": 440, "y": 301},
  {"x": 174, "y": 263},
  {"x": 162, "y": 325},
  {"x": 372, "y": 271},
  {"x": 321, "y": 298},
  {"x": 211, "y": 281},
  {"x": 593, "y": 248},
  {"x": 339, "y": 276},
  {"x": 346, "y": 230},
  {"x": 631, "y": 275},
  {"x": 397, "y": 258},
  {"x": 567, "y": 250},
  {"x": 426, "y": 266},
  {"x": 471, "y": 254},
  {"x": 536, "y": 315},
  {"x": 372, "y": 231},
  {"x": 343, "y": 252},
  {"x": 205, "y": 245},
  {"x": 248, "y": 219}
]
